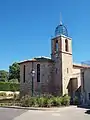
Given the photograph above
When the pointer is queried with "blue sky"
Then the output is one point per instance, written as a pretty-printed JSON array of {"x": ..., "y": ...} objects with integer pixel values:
[{"x": 26, "y": 27}]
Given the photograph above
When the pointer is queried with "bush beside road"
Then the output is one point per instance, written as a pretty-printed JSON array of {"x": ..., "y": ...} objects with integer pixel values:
[{"x": 42, "y": 101}]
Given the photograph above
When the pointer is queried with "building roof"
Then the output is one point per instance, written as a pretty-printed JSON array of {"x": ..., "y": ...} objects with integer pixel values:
[
  {"x": 38, "y": 59},
  {"x": 81, "y": 65},
  {"x": 61, "y": 30}
]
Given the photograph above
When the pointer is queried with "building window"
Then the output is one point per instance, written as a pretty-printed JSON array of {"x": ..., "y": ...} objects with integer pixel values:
[
  {"x": 38, "y": 72},
  {"x": 83, "y": 80},
  {"x": 24, "y": 73},
  {"x": 67, "y": 70},
  {"x": 66, "y": 45},
  {"x": 89, "y": 95},
  {"x": 56, "y": 45}
]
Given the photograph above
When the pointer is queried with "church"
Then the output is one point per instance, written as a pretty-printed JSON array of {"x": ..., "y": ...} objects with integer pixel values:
[{"x": 57, "y": 75}]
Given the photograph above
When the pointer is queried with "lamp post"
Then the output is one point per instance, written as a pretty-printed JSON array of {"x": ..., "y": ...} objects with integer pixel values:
[{"x": 32, "y": 74}]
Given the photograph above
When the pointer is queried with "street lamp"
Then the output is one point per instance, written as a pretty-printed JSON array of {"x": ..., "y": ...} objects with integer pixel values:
[{"x": 32, "y": 74}]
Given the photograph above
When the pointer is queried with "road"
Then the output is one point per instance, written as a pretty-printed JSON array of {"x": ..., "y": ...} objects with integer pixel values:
[{"x": 70, "y": 113}]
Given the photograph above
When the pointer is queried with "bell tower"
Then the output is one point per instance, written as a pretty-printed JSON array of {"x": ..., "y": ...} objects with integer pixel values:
[{"x": 61, "y": 54}]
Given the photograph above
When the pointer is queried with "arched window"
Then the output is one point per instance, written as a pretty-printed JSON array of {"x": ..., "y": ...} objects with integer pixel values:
[
  {"x": 66, "y": 45},
  {"x": 24, "y": 68},
  {"x": 56, "y": 45},
  {"x": 38, "y": 72}
]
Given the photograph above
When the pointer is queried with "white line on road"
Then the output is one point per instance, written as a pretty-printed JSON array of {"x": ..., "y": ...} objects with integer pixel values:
[{"x": 55, "y": 114}]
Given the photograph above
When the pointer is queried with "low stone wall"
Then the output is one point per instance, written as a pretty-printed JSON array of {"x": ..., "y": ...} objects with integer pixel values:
[{"x": 9, "y": 92}]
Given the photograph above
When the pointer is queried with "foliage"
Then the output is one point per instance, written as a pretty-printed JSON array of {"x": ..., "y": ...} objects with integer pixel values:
[
  {"x": 42, "y": 101},
  {"x": 50, "y": 102},
  {"x": 6, "y": 104},
  {"x": 13, "y": 80},
  {"x": 65, "y": 100},
  {"x": 45, "y": 101},
  {"x": 14, "y": 71},
  {"x": 25, "y": 101},
  {"x": 4, "y": 75},
  {"x": 7, "y": 86},
  {"x": 56, "y": 101}
]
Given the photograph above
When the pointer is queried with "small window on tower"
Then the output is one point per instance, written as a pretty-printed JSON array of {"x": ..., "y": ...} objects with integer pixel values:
[
  {"x": 66, "y": 45},
  {"x": 56, "y": 45},
  {"x": 67, "y": 70}
]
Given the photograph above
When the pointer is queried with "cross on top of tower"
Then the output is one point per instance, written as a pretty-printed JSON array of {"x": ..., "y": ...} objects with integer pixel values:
[{"x": 60, "y": 19}]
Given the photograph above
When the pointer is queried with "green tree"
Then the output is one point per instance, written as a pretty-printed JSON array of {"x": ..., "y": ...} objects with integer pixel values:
[
  {"x": 4, "y": 75},
  {"x": 13, "y": 80},
  {"x": 14, "y": 71}
]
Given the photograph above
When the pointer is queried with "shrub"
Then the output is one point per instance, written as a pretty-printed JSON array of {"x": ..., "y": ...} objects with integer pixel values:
[
  {"x": 13, "y": 80},
  {"x": 3, "y": 94},
  {"x": 6, "y": 104},
  {"x": 56, "y": 101},
  {"x": 28, "y": 101},
  {"x": 7, "y": 86},
  {"x": 25, "y": 101},
  {"x": 33, "y": 102},
  {"x": 50, "y": 102},
  {"x": 65, "y": 100},
  {"x": 44, "y": 101}
]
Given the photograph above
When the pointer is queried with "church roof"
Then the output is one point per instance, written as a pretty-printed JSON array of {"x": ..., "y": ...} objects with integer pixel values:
[
  {"x": 43, "y": 58},
  {"x": 61, "y": 30},
  {"x": 38, "y": 59}
]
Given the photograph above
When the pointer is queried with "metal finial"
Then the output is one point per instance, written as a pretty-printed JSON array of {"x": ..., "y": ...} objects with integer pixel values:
[{"x": 60, "y": 19}]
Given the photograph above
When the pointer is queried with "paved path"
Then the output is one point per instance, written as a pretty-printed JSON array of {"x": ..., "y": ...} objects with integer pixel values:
[{"x": 70, "y": 113}]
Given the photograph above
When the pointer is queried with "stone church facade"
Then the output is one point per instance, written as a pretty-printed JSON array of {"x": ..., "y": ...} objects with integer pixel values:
[{"x": 57, "y": 75}]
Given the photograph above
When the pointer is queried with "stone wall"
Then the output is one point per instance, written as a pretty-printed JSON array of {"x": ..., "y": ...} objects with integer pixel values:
[{"x": 42, "y": 87}]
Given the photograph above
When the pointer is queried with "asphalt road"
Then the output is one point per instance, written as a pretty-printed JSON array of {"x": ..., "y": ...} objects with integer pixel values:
[
  {"x": 70, "y": 113},
  {"x": 10, "y": 114}
]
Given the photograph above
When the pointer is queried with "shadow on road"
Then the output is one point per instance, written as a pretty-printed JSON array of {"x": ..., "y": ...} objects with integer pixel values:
[
  {"x": 87, "y": 112},
  {"x": 82, "y": 106},
  {"x": 86, "y": 107}
]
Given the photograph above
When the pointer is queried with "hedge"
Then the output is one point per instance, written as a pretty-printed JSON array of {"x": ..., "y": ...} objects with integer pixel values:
[
  {"x": 44, "y": 101},
  {"x": 7, "y": 86}
]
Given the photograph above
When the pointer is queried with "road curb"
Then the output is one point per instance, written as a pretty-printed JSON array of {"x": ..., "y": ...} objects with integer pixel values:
[{"x": 34, "y": 108}]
